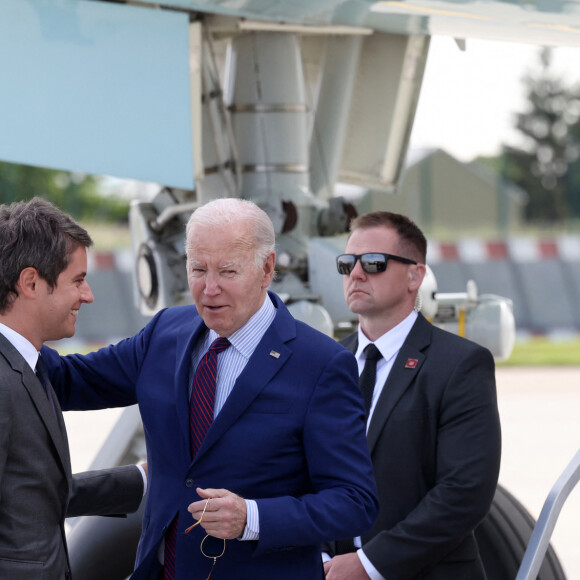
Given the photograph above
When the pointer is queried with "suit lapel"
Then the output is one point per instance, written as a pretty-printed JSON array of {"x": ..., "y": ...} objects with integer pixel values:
[
  {"x": 402, "y": 374},
  {"x": 186, "y": 341},
  {"x": 52, "y": 418},
  {"x": 404, "y": 371},
  {"x": 269, "y": 357},
  {"x": 259, "y": 371},
  {"x": 54, "y": 424}
]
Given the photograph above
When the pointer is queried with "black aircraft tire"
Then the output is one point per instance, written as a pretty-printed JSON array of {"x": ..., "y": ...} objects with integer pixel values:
[
  {"x": 504, "y": 536},
  {"x": 103, "y": 547}
]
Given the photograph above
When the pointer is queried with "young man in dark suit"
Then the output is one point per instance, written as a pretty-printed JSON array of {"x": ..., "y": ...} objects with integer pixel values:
[
  {"x": 42, "y": 287},
  {"x": 433, "y": 427}
]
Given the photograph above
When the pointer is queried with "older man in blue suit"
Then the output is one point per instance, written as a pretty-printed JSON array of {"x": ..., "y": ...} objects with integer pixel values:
[{"x": 283, "y": 465}]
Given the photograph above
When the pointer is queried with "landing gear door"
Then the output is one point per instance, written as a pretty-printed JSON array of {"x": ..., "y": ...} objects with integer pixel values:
[{"x": 388, "y": 84}]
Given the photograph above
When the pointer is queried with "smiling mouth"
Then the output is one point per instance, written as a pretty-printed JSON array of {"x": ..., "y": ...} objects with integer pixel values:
[{"x": 75, "y": 313}]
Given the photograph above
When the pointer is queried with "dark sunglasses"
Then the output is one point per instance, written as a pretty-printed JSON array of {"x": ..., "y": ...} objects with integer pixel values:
[{"x": 371, "y": 263}]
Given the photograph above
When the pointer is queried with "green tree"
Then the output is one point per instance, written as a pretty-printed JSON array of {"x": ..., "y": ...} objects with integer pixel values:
[
  {"x": 75, "y": 193},
  {"x": 544, "y": 165}
]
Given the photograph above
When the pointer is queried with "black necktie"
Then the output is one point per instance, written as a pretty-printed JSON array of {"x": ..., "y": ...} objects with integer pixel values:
[
  {"x": 368, "y": 377},
  {"x": 42, "y": 375}
]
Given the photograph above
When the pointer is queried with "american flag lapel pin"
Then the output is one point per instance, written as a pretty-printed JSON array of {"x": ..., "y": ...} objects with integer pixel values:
[
  {"x": 274, "y": 354},
  {"x": 411, "y": 363}
]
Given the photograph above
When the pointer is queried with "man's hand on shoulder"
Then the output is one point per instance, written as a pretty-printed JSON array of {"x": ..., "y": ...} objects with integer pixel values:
[{"x": 345, "y": 567}]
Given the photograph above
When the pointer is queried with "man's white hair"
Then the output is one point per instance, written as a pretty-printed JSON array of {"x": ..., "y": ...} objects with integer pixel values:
[{"x": 230, "y": 212}]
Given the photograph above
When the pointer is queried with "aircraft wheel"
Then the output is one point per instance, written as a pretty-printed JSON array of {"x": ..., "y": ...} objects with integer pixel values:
[
  {"x": 102, "y": 547},
  {"x": 503, "y": 537}
]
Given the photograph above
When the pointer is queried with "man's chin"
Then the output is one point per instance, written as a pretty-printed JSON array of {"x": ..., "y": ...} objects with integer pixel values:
[
  {"x": 56, "y": 337},
  {"x": 214, "y": 322},
  {"x": 357, "y": 305}
]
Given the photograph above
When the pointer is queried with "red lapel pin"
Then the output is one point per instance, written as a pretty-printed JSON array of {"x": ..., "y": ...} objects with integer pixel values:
[{"x": 411, "y": 363}]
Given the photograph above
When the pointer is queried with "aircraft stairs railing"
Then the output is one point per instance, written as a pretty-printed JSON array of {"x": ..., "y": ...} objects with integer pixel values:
[{"x": 540, "y": 539}]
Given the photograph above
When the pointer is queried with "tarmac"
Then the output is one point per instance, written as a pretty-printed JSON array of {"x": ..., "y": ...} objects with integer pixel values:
[{"x": 540, "y": 414}]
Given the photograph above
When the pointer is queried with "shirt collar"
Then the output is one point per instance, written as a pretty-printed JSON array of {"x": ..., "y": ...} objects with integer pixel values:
[
  {"x": 389, "y": 343},
  {"x": 246, "y": 338},
  {"x": 21, "y": 344}
]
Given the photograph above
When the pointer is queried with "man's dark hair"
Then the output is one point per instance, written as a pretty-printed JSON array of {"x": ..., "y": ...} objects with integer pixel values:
[
  {"x": 412, "y": 241},
  {"x": 35, "y": 234}
]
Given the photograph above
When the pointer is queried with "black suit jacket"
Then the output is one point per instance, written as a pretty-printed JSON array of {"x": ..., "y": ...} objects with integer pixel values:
[
  {"x": 435, "y": 444},
  {"x": 37, "y": 489}
]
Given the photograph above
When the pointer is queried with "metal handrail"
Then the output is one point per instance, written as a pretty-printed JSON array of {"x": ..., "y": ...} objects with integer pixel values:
[{"x": 536, "y": 550}]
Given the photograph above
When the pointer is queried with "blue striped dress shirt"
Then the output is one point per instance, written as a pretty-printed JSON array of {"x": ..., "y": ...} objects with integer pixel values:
[{"x": 230, "y": 364}]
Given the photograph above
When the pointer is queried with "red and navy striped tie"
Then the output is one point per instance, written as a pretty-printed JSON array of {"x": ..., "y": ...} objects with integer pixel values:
[
  {"x": 203, "y": 394},
  {"x": 200, "y": 418}
]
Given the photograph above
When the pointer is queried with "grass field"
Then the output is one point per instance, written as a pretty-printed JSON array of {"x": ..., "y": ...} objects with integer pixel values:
[{"x": 541, "y": 351}]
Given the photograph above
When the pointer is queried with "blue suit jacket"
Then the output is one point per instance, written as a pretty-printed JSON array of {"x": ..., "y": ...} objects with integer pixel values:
[{"x": 291, "y": 435}]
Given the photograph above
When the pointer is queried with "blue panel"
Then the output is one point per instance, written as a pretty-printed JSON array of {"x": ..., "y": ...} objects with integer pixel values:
[{"x": 96, "y": 87}]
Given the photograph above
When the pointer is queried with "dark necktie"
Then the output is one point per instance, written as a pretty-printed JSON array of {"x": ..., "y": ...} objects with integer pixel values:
[
  {"x": 200, "y": 418},
  {"x": 42, "y": 375},
  {"x": 203, "y": 394},
  {"x": 369, "y": 375}
]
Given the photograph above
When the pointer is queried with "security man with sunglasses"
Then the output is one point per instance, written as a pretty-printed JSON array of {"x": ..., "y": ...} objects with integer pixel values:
[{"x": 433, "y": 427}]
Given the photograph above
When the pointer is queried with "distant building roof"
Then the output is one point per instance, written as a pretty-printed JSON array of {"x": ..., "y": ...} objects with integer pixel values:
[{"x": 481, "y": 171}]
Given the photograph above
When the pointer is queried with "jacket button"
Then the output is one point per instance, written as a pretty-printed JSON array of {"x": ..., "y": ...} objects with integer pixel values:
[{"x": 189, "y": 482}]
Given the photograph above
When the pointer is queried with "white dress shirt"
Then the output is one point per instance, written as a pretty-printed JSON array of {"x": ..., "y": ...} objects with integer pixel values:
[
  {"x": 389, "y": 345},
  {"x": 22, "y": 345}
]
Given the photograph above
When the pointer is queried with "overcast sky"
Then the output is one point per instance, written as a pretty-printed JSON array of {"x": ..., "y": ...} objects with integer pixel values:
[{"x": 469, "y": 99}]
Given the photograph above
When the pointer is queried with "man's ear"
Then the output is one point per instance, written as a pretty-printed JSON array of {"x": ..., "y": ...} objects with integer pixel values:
[
  {"x": 269, "y": 269},
  {"x": 417, "y": 275},
  {"x": 27, "y": 284}
]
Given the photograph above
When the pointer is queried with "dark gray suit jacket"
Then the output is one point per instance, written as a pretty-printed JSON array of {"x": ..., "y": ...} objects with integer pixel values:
[
  {"x": 434, "y": 440},
  {"x": 37, "y": 489}
]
